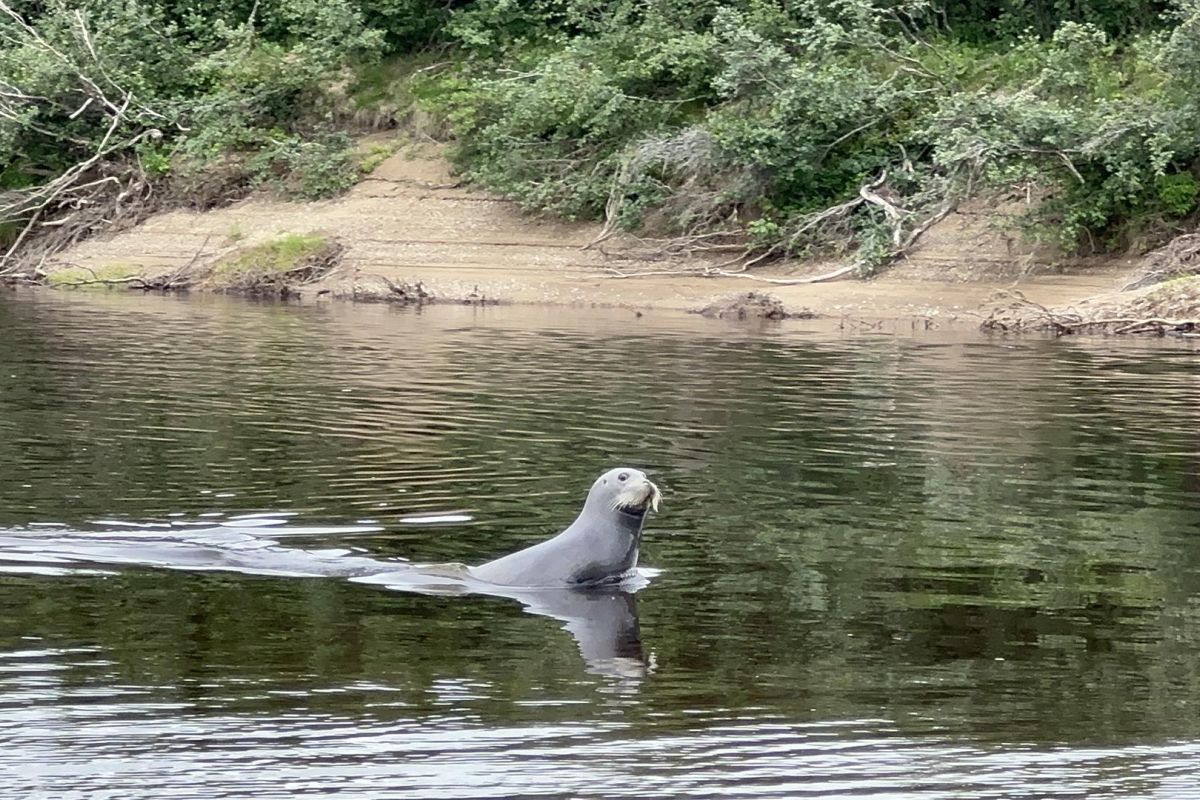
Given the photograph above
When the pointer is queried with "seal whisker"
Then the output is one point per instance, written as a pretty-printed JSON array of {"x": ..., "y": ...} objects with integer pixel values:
[{"x": 642, "y": 496}]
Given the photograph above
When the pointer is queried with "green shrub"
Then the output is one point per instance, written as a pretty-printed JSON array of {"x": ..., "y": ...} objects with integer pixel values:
[
  {"x": 1177, "y": 193},
  {"x": 692, "y": 115},
  {"x": 118, "y": 96},
  {"x": 806, "y": 125}
]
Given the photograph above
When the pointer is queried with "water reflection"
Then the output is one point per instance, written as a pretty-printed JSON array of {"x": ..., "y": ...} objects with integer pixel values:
[
  {"x": 899, "y": 566},
  {"x": 603, "y": 622}
]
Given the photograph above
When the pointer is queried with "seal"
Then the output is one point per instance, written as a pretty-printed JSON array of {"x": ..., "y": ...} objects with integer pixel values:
[{"x": 599, "y": 547}]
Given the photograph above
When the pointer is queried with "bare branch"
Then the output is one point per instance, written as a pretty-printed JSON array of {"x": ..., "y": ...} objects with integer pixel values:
[{"x": 825, "y": 277}]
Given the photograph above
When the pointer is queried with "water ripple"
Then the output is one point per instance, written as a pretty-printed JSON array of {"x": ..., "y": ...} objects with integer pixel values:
[{"x": 933, "y": 566}]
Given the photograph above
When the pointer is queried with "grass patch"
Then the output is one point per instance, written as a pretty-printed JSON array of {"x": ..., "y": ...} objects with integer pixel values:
[
  {"x": 109, "y": 276},
  {"x": 275, "y": 256},
  {"x": 277, "y": 267},
  {"x": 376, "y": 154}
]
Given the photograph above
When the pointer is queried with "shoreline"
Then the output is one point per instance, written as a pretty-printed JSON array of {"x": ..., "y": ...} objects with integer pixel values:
[{"x": 410, "y": 232}]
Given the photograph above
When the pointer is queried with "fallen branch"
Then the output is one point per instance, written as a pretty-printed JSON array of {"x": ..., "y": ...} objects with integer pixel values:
[
  {"x": 1021, "y": 314},
  {"x": 101, "y": 282},
  {"x": 98, "y": 190},
  {"x": 702, "y": 272},
  {"x": 825, "y": 277},
  {"x": 906, "y": 225},
  {"x": 1178, "y": 258},
  {"x": 937, "y": 216},
  {"x": 181, "y": 278},
  {"x": 894, "y": 214}
]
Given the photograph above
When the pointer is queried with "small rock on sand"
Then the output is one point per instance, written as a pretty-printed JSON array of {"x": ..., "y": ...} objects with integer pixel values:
[{"x": 752, "y": 305}]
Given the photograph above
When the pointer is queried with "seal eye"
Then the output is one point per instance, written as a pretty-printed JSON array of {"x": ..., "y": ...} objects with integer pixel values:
[{"x": 623, "y": 476}]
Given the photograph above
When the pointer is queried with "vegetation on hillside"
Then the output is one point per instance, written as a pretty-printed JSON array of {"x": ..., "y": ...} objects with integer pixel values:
[
  {"x": 109, "y": 110},
  {"x": 799, "y": 127},
  {"x": 830, "y": 122}
]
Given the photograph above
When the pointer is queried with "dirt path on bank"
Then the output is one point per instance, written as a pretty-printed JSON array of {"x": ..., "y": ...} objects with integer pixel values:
[{"x": 411, "y": 221}]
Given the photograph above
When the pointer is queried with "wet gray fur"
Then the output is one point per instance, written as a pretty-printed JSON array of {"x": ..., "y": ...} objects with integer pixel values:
[{"x": 599, "y": 547}]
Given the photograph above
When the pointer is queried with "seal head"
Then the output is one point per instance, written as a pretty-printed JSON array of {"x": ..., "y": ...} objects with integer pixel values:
[{"x": 599, "y": 547}]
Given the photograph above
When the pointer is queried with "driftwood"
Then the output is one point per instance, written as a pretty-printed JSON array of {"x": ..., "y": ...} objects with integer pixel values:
[
  {"x": 106, "y": 189},
  {"x": 177, "y": 280},
  {"x": 714, "y": 272},
  {"x": 286, "y": 283},
  {"x": 1015, "y": 313},
  {"x": 907, "y": 226},
  {"x": 1178, "y": 258},
  {"x": 252, "y": 281}
]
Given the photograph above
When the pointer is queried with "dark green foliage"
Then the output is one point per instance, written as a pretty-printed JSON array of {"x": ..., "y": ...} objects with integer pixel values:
[
  {"x": 988, "y": 20},
  {"x": 172, "y": 91},
  {"x": 408, "y": 24},
  {"x": 804, "y": 124},
  {"x": 692, "y": 117}
]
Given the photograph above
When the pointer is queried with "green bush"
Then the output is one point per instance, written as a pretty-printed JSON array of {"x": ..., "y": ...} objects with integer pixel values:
[
  {"x": 691, "y": 116},
  {"x": 805, "y": 125},
  {"x": 310, "y": 169},
  {"x": 1177, "y": 193}
]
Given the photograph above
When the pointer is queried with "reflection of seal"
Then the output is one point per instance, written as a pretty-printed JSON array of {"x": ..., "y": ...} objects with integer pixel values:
[
  {"x": 600, "y": 546},
  {"x": 604, "y": 622}
]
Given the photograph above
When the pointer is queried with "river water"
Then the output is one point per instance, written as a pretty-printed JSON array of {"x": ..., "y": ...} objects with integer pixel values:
[{"x": 892, "y": 564}]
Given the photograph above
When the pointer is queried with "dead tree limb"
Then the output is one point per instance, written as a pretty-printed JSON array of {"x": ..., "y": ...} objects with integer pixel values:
[{"x": 98, "y": 190}]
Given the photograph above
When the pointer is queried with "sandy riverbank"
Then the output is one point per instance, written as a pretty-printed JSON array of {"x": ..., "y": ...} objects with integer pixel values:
[{"x": 411, "y": 222}]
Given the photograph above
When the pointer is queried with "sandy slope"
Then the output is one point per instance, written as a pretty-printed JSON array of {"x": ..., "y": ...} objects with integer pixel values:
[{"x": 412, "y": 221}]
